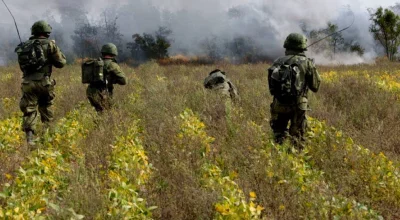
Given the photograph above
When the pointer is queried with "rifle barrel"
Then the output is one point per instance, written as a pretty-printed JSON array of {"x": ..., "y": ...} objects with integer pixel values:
[{"x": 354, "y": 18}]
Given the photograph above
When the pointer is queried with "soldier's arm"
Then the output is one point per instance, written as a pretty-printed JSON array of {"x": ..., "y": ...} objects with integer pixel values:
[
  {"x": 57, "y": 58},
  {"x": 270, "y": 71},
  {"x": 313, "y": 78},
  {"x": 117, "y": 75},
  {"x": 233, "y": 91}
]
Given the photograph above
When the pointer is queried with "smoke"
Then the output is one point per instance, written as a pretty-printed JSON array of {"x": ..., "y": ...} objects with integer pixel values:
[{"x": 266, "y": 23}]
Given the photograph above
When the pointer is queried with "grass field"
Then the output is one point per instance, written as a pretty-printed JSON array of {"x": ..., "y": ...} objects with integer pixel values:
[{"x": 172, "y": 150}]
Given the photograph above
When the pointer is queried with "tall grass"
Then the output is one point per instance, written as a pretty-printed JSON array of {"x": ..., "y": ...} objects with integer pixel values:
[{"x": 284, "y": 185}]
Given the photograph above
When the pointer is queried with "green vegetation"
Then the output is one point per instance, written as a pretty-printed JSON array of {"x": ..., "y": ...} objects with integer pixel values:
[
  {"x": 386, "y": 30},
  {"x": 172, "y": 150}
]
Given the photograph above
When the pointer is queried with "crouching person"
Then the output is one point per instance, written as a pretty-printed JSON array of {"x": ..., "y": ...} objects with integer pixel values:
[{"x": 218, "y": 81}]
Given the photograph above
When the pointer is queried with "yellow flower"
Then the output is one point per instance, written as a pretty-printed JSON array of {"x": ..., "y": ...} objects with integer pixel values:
[
  {"x": 260, "y": 208},
  {"x": 253, "y": 195},
  {"x": 223, "y": 209},
  {"x": 8, "y": 176},
  {"x": 282, "y": 207}
]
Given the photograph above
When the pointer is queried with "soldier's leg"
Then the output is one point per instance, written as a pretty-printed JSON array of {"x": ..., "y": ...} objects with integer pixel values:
[
  {"x": 45, "y": 102},
  {"x": 107, "y": 102},
  {"x": 95, "y": 98},
  {"x": 279, "y": 122},
  {"x": 28, "y": 105},
  {"x": 298, "y": 128}
]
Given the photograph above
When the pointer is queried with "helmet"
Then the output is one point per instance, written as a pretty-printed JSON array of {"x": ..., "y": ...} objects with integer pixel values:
[
  {"x": 41, "y": 27},
  {"x": 217, "y": 71},
  {"x": 110, "y": 48},
  {"x": 296, "y": 41}
]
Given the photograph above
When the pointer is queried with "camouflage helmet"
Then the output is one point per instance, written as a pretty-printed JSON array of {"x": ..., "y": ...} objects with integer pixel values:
[
  {"x": 110, "y": 48},
  {"x": 41, "y": 27},
  {"x": 296, "y": 41}
]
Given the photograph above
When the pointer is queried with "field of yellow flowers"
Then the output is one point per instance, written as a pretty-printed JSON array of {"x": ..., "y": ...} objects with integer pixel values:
[{"x": 172, "y": 150}]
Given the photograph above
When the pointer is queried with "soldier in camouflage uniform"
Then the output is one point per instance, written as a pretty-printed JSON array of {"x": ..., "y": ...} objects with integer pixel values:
[
  {"x": 218, "y": 81},
  {"x": 37, "y": 86},
  {"x": 100, "y": 94},
  {"x": 293, "y": 109}
]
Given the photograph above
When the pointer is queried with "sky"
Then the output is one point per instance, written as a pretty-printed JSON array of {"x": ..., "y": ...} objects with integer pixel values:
[
  {"x": 267, "y": 22},
  {"x": 27, "y": 10}
]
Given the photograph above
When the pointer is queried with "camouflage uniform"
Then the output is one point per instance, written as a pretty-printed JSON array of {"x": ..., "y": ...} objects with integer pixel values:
[
  {"x": 293, "y": 110},
  {"x": 38, "y": 87},
  {"x": 218, "y": 81},
  {"x": 100, "y": 95}
]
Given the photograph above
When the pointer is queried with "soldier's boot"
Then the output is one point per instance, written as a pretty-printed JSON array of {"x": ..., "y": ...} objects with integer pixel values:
[
  {"x": 30, "y": 139},
  {"x": 279, "y": 138},
  {"x": 298, "y": 143}
]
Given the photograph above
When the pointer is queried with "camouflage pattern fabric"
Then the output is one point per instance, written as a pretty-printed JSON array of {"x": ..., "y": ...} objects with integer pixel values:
[
  {"x": 37, "y": 95},
  {"x": 294, "y": 110},
  {"x": 281, "y": 114},
  {"x": 295, "y": 41},
  {"x": 100, "y": 96},
  {"x": 54, "y": 56},
  {"x": 38, "y": 87},
  {"x": 217, "y": 81},
  {"x": 40, "y": 27}
]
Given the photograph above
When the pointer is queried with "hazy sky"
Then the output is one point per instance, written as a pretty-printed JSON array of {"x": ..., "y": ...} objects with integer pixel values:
[{"x": 25, "y": 10}]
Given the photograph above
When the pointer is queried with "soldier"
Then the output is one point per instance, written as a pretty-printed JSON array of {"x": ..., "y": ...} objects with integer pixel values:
[
  {"x": 37, "y": 85},
  {"x": 290, "y": 78},
  {"x": 100, "y": 94},
  {"x": 218, "y": 81}
]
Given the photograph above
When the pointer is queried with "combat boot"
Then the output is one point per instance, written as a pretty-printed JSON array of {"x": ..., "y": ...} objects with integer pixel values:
[{"x": 29, "y": 138}]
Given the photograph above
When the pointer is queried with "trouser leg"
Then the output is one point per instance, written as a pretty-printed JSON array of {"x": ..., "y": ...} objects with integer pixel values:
[
  {"x": 279, "y": 122},
  {"x": 98, "y": 99},
  {"x": 298, "y": 127},
  {"x": 45, "y": 104},
  {"x": 28, "y": 105}
]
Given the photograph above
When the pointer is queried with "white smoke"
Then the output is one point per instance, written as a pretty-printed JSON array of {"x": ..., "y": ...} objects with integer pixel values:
[{"x": 267, "y": 22}]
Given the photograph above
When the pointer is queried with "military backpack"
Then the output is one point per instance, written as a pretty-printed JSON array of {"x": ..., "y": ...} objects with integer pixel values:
[
  {"x": 93, "y": 71},
  {"x": 31, "y": 56},
  {"x": 216, "y": 77},
  {"x": 285, "y": 82}
]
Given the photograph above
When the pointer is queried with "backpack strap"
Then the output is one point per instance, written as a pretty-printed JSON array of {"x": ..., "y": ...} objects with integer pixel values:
[{"x": 47, "y": 42}]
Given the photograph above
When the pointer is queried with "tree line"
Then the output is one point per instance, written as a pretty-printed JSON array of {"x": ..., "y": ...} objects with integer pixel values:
[{"x": 88, "y": 38}]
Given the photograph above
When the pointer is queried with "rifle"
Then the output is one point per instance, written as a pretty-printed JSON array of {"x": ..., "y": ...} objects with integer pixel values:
[
  {"x": 316, "y": 42},
  {"x": 339, "y": 31},
  {"x": 16, "y": 26}
]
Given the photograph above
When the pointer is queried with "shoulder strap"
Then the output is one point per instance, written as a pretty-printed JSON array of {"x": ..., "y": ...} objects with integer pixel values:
[
  {"x": 47, "y": 42},
  {"x": 105, "y": 67}
]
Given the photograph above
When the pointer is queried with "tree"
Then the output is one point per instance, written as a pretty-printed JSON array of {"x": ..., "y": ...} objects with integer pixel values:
[
  {"x": 86, "y": 42},
  {"x": 211, "y": 49},
  {"x": 151, "y": 46},
  {"x": 336, "y": 40},
  {"x": 386, "y": 30},
  {"x": 109, "y": 32},
  {"x": 244, "y": 49},
  {"x": 357, "y": 48},
  {"x": 331, "y": 45},
  {"x": 111, "y": 29}
]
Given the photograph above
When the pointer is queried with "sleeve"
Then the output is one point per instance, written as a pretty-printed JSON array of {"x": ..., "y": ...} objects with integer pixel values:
[
  {"x": 313, "y": 78},
  {"x": 116, "y": 76},
  {"x": 56, "y": 56},
  {"x": 270, "y": 83},
  {"x": 233, "y": 91}
]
